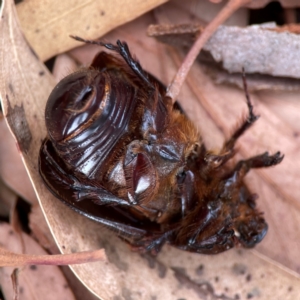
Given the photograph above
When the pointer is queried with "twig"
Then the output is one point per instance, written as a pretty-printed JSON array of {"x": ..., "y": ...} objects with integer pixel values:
[
  {"x": 224, "y": 14},
  {"x": 8, "y": 258}
]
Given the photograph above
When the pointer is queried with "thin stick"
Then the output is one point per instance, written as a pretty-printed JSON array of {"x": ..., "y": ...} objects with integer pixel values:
[
  {"x": 252, "y": 117},
  {"x": 224, "y": 14},
  {"x": 8, "y": 258}
]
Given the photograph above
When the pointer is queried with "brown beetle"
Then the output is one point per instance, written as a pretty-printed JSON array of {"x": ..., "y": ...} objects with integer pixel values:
[{"x": 119, "y": 152}]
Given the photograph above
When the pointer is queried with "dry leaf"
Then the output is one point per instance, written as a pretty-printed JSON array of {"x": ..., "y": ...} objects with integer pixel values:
[
  {"x": 215, "y": 110},
  {"x": 202, "y": 10},
  {"x": 76, "y": 286},
  {"x": 43, "y": 21},
  {"x": 40, "y": 230},
  {"x": 257, "y": 50},
  {"x": 34, "y": 282},
  {"x": 12, "y": 168}
]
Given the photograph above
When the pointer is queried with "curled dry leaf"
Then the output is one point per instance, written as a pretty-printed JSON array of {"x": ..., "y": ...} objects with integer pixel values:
[
  {"x": 42, "y": 22},
  {"x": 256, "y": 49},
  {"x": 34, "y": 282},
  {"x": 215, "y": 110}
]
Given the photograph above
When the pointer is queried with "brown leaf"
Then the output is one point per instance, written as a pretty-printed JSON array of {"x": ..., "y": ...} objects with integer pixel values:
[
  {"x": 40, "y": 229},
  {"x": 280, "y": 192},
  {"x": 43, "y": 21},
  {"x": 34, "y": 282},
  {"x": 12, "y": 169},
  {"x": 223, "y": 106}
]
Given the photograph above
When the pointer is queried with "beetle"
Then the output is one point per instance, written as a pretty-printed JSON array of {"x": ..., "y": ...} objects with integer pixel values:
[{"x": 121, "y": 153}]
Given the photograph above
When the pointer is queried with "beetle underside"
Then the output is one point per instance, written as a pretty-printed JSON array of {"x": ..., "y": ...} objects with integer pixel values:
[{"x": 119, "y": 152}]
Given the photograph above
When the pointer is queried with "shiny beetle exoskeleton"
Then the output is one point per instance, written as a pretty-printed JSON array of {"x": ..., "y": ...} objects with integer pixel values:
[{"x": 119, "y": 152}]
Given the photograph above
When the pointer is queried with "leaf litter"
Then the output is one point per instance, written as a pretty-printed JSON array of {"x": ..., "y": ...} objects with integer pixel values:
[{"x": 215, "y": 109}]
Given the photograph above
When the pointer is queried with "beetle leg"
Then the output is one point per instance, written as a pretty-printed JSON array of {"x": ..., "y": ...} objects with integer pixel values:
[
  {"x": 260, "y": 161},
  {"x": 214, "y": 161},
  {"x": 220, "y": 241},
  {"x": 77, "y": 190},
  {"x": 123, "y": 50},
  {"x": 81, "y": 191},
  {"x": 152, "y": 243},
  {"x": 67, "y": 187},
  {"x": 98, "y": 195},
  {"x": 251, "y": 118},
  {"x": 54, "y": 168},
  {"x": 227, "y": 151},
  {"x": 187, "y": 190}
]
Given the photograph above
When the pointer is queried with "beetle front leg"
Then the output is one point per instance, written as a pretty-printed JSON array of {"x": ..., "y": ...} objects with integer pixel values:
[
  {"x": 123, "y": 50},
  {"x": 68, "y": 186}
]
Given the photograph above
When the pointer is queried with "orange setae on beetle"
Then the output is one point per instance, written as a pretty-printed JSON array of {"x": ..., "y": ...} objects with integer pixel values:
[{"x": 121, "y": 153}]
